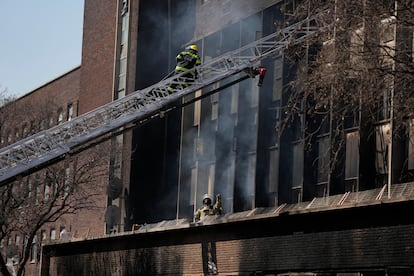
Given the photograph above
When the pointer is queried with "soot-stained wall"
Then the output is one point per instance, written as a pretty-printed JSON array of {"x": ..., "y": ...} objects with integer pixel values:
[
  {"x": 375, "y": 239},
  {"x": 164, "y": 27}
]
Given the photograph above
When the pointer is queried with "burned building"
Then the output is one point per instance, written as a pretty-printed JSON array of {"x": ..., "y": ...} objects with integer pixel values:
[{"x": 314, "y": 166}]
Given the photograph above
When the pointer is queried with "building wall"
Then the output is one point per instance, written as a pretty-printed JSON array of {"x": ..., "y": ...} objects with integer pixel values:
[
  {"x": 42, "y": 104},
  {"x": 366, "y": 239},
  {"x": 212, "y": 15},
  {"x": 98, "y": 50},
  {"x": 42, "y": 108},
  {"x": 227, "y": 137},
  {"x": 154, "y": 179},
  {"x": 185, "y": 148}
]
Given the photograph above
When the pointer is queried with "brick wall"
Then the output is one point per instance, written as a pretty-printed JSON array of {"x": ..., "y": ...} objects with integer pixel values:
[
  {"x": 97, "y": 53},
  {"x": 351, "y": 240},
  {"x": 40, "y": 109},
  {"x": 41, "y": 104},
  {"x": 349, "y": 250},
  {"x": 354, "y": 249},
  {"x": 167, "y": 260}
]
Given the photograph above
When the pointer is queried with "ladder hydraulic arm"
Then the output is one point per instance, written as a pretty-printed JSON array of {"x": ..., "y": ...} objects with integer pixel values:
[{"x": 54, "y": 144}]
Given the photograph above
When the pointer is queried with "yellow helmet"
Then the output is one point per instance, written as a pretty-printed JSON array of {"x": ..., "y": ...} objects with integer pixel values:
[
  {"x": 192, "y": 47},
  {"x": 207, "y": 199}
]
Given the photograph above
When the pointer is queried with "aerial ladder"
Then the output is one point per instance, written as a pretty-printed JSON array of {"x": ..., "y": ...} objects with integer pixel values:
[{"x": 49, "y": 146}]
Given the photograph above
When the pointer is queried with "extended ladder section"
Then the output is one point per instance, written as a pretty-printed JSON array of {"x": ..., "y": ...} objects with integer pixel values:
[{"x": 48, "y": 146}]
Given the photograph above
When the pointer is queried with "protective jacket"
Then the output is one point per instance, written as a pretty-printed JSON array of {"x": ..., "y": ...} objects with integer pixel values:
[{"x": 187, "y": 60}]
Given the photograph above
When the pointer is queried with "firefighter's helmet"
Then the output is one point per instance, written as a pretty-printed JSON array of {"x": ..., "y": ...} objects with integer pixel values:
[
  {"x": 207, "y": 199},
  {"x": 192, "y": 47}
]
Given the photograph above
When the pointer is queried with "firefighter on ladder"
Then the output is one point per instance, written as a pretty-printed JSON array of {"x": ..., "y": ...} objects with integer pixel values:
[
  {"x": 186, "y": 60},
  {"x": 208, "y": 209}
]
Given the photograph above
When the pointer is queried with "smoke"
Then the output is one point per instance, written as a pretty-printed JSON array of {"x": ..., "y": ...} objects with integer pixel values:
[
  {"x": 163, "y": 28},
  {"x": 215, "y": 14},
  {"x": 219, "y": 153}
]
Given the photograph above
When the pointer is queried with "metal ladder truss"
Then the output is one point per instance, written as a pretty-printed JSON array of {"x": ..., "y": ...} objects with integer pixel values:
[{"x": 45, "y": 147}]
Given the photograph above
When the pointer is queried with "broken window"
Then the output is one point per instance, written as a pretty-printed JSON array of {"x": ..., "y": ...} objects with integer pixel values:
[
  {"x": 352, "y": 155},
  {"x": 382, "y": 143}
]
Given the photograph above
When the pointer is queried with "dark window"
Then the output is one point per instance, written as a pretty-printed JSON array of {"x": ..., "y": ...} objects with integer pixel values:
[
  {"x": 297, "y": 166},
  {"x": 352, "y": 155},
  {"x": 324, "y": 150}
]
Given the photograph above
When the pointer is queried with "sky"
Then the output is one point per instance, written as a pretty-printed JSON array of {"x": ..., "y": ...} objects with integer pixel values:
[{"x": 39, "y": 41}]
